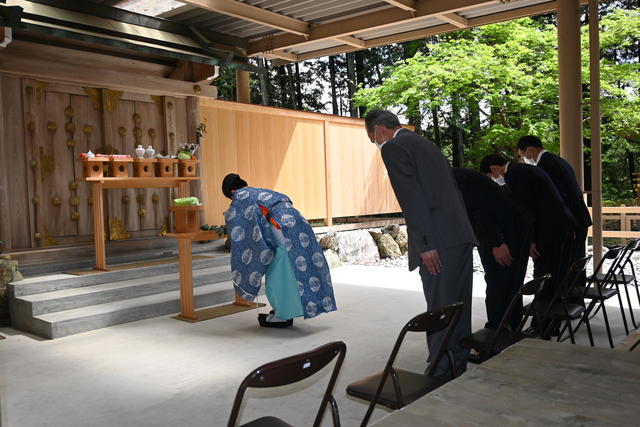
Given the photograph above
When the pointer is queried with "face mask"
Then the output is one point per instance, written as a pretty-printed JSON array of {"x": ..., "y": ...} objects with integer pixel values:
[
  {"x": 529, "y": 161},
  {"x": 499, "y": 180},
  {"x": 375, "y": 141}
]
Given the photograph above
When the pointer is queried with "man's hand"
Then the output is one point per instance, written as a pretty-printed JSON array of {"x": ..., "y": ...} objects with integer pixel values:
[
  {"x": 502, "y": 255},
  {"x": 431, "y": 260},
  {"x": 533, "y": 251}
]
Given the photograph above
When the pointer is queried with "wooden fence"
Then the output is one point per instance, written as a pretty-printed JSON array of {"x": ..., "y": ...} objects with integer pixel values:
[
  {"x": 625, "y": 215},
  {"x": 325, "y": 163}
]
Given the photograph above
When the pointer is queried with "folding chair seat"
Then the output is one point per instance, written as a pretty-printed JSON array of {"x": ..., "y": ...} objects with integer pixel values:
[
  {"x": 489, "y": 342},
  {"x": 396, "y": 388},
  {"x": 288, "y": 371},
  {"x": 598, "y": 291}
]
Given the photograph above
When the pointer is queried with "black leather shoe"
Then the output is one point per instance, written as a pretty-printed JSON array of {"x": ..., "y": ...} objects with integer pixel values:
[{"x": 262, "y": 319}]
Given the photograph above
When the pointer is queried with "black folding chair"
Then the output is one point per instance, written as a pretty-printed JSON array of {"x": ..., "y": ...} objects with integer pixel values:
[
  {"x": 290, "y": 370},
  {"x": 562, "y": 307},
  {"x": 598, "y": 291},
  {"x": 620, "y": 276},
  {"x": 489, "y": 342},
  {"x": 396, "y": 388}
]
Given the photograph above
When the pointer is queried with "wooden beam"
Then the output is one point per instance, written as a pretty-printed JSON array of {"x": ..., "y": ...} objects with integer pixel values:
[
  {"x": 246, "y": 12},
  {"x": 454, "y": 19},
  {"x": 6, "y": 36},
  {"x": 537, "y": 9},
  {"x": 285, "y": 57},
  {"x": 86, "y": 75},
  {"x": 367, "y": 22},
  {"x": 352, "y": 41},
  {"x": 194, "y": 71},
  {"x": 409, "y": 5}
]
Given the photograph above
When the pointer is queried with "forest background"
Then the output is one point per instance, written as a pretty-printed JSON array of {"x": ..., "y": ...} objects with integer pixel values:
[{"x": 475, "y": 92}]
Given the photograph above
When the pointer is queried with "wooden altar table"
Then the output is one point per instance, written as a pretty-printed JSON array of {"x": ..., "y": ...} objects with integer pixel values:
[{"x": 106, "y": 183}]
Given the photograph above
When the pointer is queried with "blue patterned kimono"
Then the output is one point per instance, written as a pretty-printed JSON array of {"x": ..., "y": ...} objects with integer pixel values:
[{"x": 253, "y": 245}]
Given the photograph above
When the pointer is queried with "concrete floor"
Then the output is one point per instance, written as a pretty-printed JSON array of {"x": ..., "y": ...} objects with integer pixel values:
[{"x": 164, "y": 372}]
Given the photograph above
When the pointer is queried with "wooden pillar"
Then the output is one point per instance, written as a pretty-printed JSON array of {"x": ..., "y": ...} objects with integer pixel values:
[
  {"x": 242, "y": 87},
  {"x": 570, "y": 84},
  {"x": 328, "y": 221},
  {"x": 193, "y": 120},
  {"x": 596, "y": 149},
  {"x": 98, "y": 226},
  {"x": 5, "y": 223}
]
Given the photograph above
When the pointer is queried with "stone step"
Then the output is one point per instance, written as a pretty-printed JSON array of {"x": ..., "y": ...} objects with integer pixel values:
[
  {"x": 118, "y": 258},
  {"x": 66, "y": 299},
  {"x": 69, "y": 322},
  {"x": 33, "y": 285}
]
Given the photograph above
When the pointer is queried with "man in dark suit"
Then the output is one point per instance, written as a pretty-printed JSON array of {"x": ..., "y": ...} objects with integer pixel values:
[
  {"x": 440, "y": 235},
  {"x": 564, "y": 178},
  {"x": 503, "y": 232},
  {"x": 553, "y": 224}
]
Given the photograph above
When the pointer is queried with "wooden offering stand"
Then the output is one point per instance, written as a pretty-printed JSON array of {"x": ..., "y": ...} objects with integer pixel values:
[
  {"x": 94, "y": 174},
  {"x": 187, "y": 227}
]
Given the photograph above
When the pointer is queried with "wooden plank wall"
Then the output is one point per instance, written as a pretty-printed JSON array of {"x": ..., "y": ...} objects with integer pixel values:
[
  {"x": 45, "y": 126},
  {"x": 325, "y": 163}
]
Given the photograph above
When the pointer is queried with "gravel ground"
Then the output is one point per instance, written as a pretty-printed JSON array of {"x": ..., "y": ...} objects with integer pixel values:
[{"x": 402, "y": 262}]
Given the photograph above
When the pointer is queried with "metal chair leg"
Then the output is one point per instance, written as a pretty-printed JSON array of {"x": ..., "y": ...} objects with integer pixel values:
[
  {"x": 586, "y": 321},
  {"x": 624, "y": 317},
  {"x": 633, "y": 319},
  {"x": 606, "y": 323}
]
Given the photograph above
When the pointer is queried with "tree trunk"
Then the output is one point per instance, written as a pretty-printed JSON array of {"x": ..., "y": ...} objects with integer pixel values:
[
  {"x": 474, "y": 119},
  {"x": 332, "y": 76},
  {"x": 264, "y": 87},
  {"x": 298, "y": 88},
  {"x": 632, "y": 169},
  {"x": 360, "y": 78},
  {"x": 351, "y": 80},
  {"x": 292, "y": 93},
  {"x": 282, "y": 82},
  {"x": 458, "y": 141},
  {"x": 436, "y": 127}
]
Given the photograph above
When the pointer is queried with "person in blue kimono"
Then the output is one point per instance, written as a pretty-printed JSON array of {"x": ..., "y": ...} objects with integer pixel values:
[{"x": 269, "y": 237}]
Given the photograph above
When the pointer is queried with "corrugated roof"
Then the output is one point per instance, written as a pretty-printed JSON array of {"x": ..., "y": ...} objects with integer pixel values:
[{"x": 299, "y": 29}]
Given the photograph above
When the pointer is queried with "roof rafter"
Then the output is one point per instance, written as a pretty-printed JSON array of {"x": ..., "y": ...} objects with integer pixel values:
[
  {"x": 254, "y": 14},
  {"x": 454, "y": 19},
  {"x": 409, "y": 5},
  {"x": 367, "y": 22}
]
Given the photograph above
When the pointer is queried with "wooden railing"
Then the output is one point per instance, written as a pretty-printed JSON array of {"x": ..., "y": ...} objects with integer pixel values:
[{"x": 626, "y": 215}]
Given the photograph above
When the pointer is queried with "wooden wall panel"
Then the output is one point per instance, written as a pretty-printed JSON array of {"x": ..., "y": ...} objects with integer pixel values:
[
  {"x": 15, "y": 168},
  {"x": 34, "y": 128},
  {"x": 57, "y": 167},
  {"x": 87, "y": 135},
  {"x": 121, "y": 204},
  {"x": 284, "y": 150},
  {"x": 152, "y": 126}
]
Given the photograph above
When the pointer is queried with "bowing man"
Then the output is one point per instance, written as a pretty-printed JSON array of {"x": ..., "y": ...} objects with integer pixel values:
[{"x": 503, "y": 232}]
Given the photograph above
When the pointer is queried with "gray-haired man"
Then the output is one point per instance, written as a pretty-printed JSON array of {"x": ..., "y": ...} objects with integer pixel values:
[{"x": 440, "y": 235}]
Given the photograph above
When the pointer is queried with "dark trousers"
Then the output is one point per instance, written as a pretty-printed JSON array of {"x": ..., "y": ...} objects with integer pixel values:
[
  {"x": 452, "y": 284},
  {"x": 555, "y": 255},
  {"x": 503, "y": 283},
  {"x": 578, "y": 249}
]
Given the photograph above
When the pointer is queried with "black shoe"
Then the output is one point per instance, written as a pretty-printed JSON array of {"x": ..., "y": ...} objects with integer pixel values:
[
  {"x": 262, "y": 319},
  {"x": 475, "y": 357}
]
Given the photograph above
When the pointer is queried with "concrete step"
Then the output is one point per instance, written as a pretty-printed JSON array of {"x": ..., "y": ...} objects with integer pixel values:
[
  {"x": 67, "y": 299},
  {"x": 34, "y": 286},
  {"x": 118, "y": 258},
  {"x": 68, "y": 322}
]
